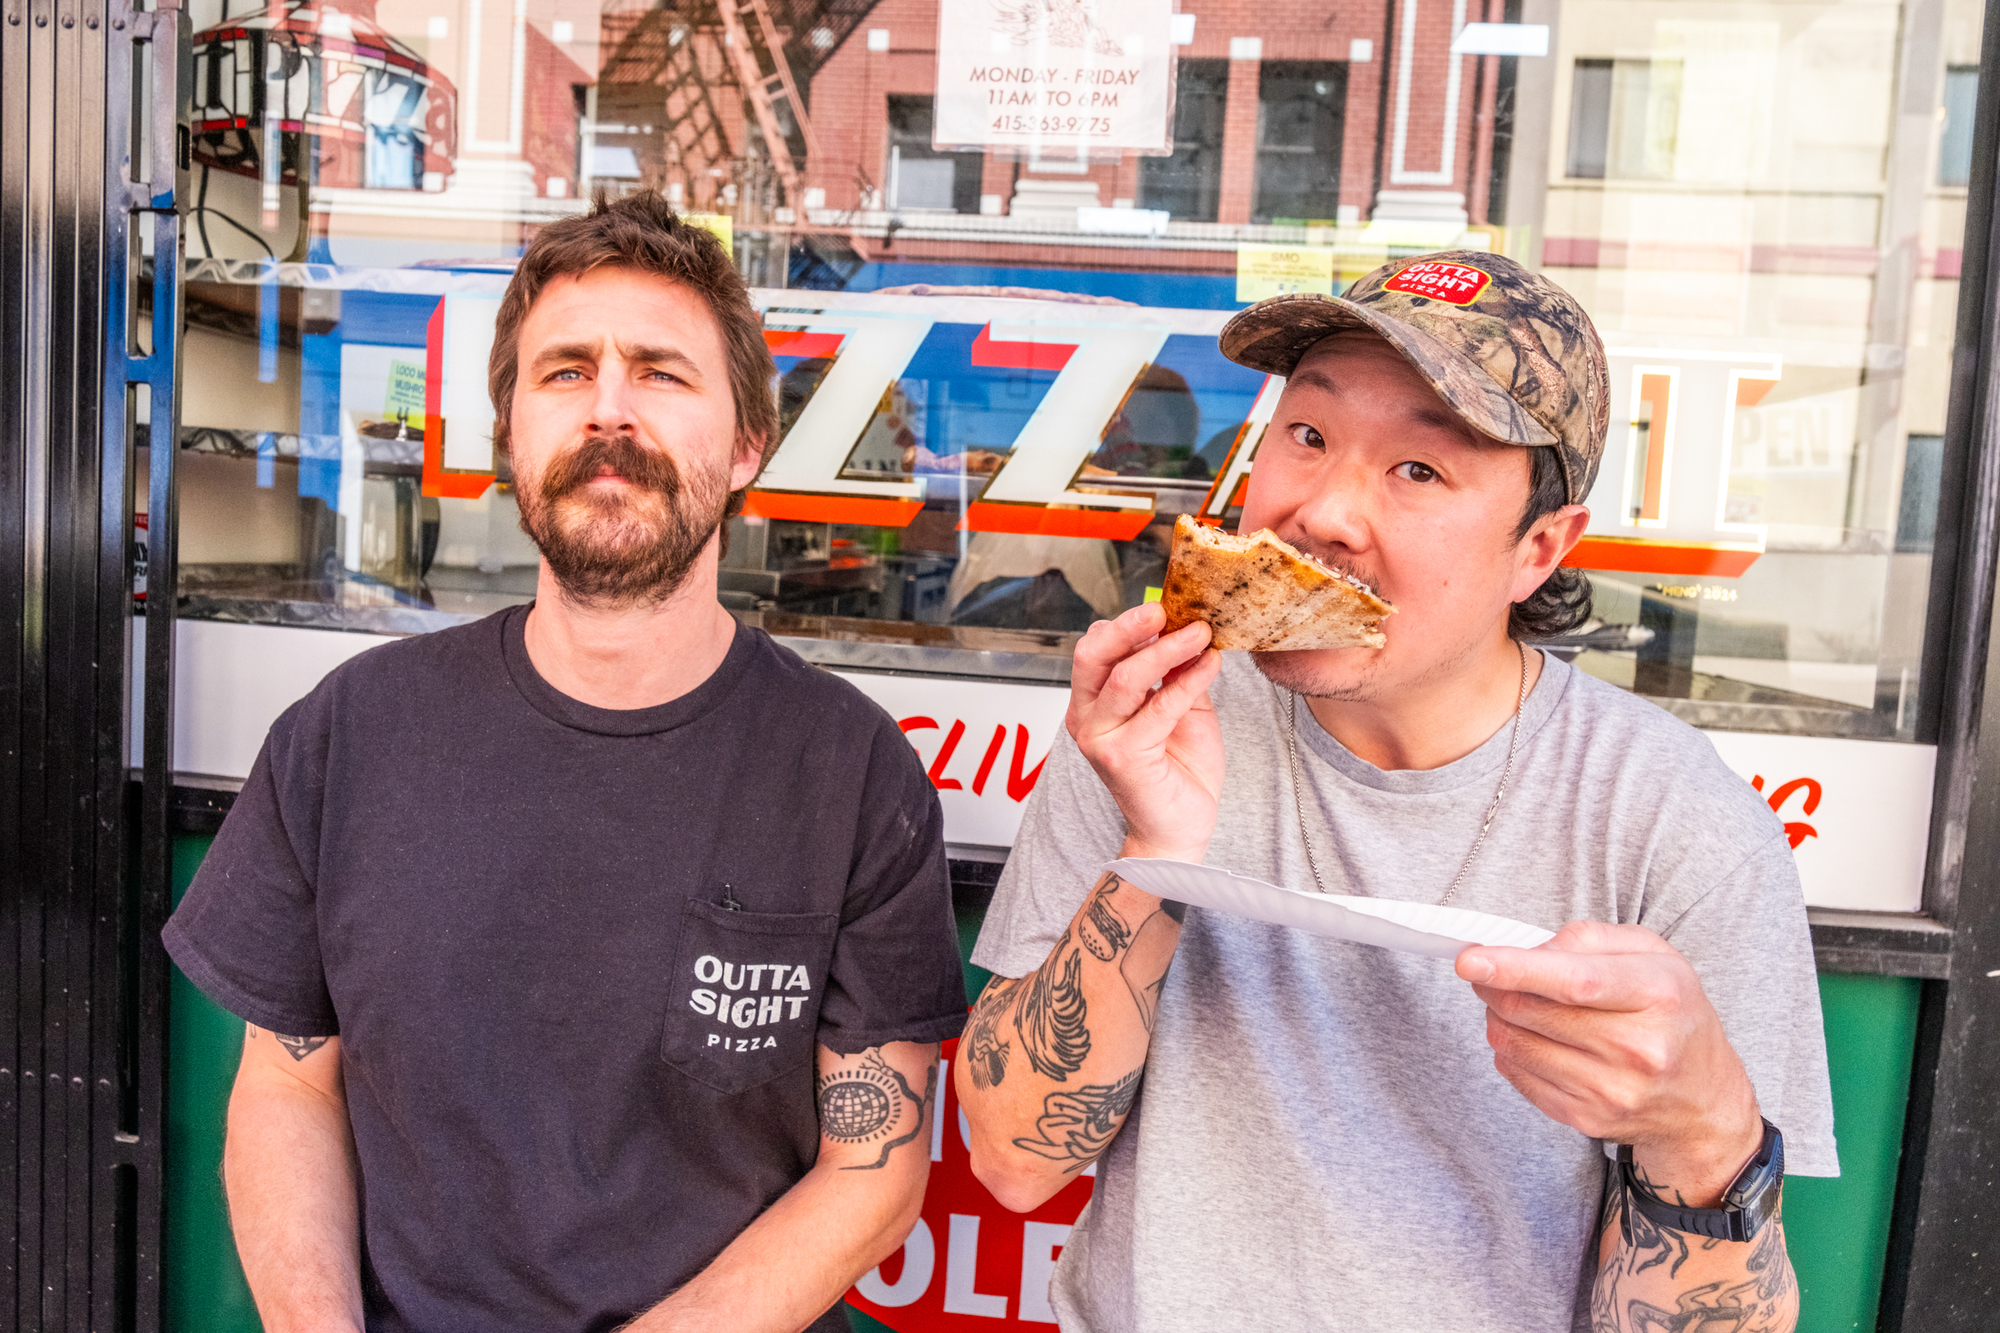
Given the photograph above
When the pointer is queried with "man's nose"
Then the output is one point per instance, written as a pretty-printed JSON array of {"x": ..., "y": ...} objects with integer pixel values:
[
  {"x": 1336, "y": 515},
  {"x": 611, "y": 408}
]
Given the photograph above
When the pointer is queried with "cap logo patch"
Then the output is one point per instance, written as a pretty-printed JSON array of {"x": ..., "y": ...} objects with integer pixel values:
[{"x": 1454, "y": 284}]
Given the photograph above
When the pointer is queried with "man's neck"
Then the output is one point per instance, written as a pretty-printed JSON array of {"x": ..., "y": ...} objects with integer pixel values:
[
  {"x": 1433, "y": 722},
  {"x": 630, "y": 656}
]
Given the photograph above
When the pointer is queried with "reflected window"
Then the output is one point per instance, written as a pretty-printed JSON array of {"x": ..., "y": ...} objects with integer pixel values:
[
  {"x": 1961, "y": 93},
  {"x": 1624, "y": 119},
  {"x": 1188, "y": 185},
  {"x": 921, "y": 178},
  {"x": 1917, "y": 504},
  {"x": 1300, "y": 106},
  {"x": 394, "y": 114}
]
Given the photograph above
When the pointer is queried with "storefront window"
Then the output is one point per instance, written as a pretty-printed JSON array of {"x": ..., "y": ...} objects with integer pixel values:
[{"x": 994, "y": 316}]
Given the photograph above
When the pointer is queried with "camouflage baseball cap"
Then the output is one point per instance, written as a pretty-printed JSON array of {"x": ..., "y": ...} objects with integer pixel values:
[{"x": 1512, "y": 353}]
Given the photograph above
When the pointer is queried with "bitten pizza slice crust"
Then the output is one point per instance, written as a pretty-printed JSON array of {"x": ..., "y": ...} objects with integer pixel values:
[{"x": 1263, "y": 595}]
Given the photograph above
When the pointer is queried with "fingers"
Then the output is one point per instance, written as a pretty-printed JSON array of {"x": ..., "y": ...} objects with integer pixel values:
[
  {"x": 1186, "y": 689},
  {"x": 1107, "y": 643},
  {"x": 1127, "y": 686},
  {"x": 1601, "y": 1100},
  {"x": 1593, "y": 978},
  {"x": 1552, "y": 1100}
]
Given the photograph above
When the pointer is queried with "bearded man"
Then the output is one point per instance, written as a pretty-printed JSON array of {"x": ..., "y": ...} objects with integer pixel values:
[{"x": 595, "y": 955}]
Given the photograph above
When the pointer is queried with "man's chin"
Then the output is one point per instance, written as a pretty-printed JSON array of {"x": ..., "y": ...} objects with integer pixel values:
[{"x": 1325, "y": 673}]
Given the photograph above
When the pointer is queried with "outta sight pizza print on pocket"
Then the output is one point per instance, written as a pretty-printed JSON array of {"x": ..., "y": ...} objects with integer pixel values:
[{"x": 743, "y": 1004}]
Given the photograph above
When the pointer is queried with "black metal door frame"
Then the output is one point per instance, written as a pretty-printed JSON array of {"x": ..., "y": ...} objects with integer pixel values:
[
  {"x": 82, "y": 975},
  {"x": 1943, "y": 1270}
]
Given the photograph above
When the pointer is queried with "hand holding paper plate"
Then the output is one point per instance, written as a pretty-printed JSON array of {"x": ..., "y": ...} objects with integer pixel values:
[{"x": 1410, "y": 927}]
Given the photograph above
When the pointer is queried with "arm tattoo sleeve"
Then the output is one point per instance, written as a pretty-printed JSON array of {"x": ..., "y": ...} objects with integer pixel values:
[
  {"x": 1051, "y": 1014},
  {"x": 300, "y": 1047},
  {"x": 1146, "y": 994},
  {"x": 985, "y": 1050},
  {"x": 1075, "y": 1126},
  {"x": 1053, "y": 1017},
  {"x": 1762, "y": 1303},
  {"x": 863, "y": 1104},
  {"x": 1104, "y": 931}
]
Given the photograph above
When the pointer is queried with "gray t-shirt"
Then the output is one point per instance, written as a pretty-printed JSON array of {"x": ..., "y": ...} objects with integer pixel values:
[{"x": 1322, "y": 1141}]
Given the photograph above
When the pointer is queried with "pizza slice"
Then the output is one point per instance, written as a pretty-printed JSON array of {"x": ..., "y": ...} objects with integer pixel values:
[{"x": 1261, "y": 594}]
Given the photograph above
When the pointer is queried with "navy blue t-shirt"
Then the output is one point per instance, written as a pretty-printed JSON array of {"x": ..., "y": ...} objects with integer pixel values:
[{"x": 578, "y": 959}]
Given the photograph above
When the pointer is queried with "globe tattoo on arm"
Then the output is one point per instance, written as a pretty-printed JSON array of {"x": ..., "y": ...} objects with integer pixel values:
[
  {"x": 864, "y": 1103},
  {"x": 1766, "y": 1302}
]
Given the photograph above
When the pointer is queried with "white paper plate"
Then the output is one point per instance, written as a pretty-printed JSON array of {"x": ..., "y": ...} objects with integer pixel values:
[{"x": 1411, "y": 927}]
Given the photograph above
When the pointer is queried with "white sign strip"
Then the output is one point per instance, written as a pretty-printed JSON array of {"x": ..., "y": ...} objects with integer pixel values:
[
  {"x": 1858, "y": 812},
  {"x": 983, "y": 743}
]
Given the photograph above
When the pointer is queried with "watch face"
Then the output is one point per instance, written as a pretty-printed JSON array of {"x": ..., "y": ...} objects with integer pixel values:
[{"x": 1762, "y": 1175}]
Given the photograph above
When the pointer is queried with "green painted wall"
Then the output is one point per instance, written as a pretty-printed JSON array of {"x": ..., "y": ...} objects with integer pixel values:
[
  {"x": 205, "y": 1291},
  {"x": 1838, "y": 1230}
]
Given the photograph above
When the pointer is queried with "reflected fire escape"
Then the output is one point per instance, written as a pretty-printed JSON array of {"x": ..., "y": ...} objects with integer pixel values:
[{"x": 662, "y": 116}]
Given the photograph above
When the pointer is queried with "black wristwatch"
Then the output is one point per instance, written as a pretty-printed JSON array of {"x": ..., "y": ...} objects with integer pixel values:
[{"x": 1747, "y": 1204}]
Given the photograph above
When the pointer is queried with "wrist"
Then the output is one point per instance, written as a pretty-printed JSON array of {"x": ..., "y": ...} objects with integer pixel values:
[
  {"x": 1190, "y": 851},
  {"x": 1697, "y": 1169}
]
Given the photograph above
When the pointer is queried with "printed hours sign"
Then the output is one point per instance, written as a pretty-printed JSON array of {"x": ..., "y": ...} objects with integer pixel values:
[{"x": 1064, "y": 77}]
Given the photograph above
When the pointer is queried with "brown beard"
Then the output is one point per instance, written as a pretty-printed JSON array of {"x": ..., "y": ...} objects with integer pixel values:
[{"x": 634, "y": 546}]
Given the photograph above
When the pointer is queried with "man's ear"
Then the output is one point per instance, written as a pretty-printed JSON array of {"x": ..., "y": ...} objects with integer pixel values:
[
  {"x": 1552, "y": 538},
  {"x": 748, "y": 462}
]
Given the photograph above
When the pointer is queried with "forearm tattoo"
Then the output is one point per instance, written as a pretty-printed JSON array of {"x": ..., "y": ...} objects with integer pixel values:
[
  {"x": 862, "y": 1104},
  {"x": 300, "y": 1047},
  {"x": 1049, "y": 1011},
  {"x": 1075, "y": 1126},
  {"x": 1054, "y": 1018},
  {"x": 1764, "y": 1302},
  {"x": 985, "y": 1049}
]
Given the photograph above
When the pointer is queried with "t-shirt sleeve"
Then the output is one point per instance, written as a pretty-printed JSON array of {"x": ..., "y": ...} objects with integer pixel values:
[
  {"x": 1748, "y": 940},
  {"x": 895, "y": 973},
  {"x": 1070, "y": 827},
  {"x": 247, "y": 931}
]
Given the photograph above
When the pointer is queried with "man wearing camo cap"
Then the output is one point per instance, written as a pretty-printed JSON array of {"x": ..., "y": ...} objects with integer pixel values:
[{"x": 1295, "y": 1132}]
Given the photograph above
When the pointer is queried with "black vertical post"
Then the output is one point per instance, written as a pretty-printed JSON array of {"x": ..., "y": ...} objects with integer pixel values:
[
  {"x": 82, "y": 1030},
  {"x": 1945, "y": 1232}
]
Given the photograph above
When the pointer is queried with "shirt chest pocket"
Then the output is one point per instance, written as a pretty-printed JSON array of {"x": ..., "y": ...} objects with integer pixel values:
[{"x": 743, "y": 1006}]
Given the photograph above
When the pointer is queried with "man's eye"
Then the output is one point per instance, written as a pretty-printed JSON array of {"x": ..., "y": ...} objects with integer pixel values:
[
  {"x": 566, "y": 375},
  {"x": 1307, "y": 436},
  {"x": 1414, "y": 471}
]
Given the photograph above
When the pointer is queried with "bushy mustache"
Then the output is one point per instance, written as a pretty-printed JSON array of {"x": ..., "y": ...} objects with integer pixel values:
[{"x": 647, "y": 469}]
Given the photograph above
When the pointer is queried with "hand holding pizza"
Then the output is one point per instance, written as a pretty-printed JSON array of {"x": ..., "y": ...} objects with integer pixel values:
[{"x": 1139, "y": 710}]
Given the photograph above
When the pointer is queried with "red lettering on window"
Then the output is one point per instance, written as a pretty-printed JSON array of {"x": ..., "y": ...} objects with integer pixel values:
[
  {"x": 1796, "y": 831},
  {"x": 910, "y": 724},
  {"x": 1018, "y": 787},
  {"x": 938, "y": 779},
  {"x": 992, "y": 753}
]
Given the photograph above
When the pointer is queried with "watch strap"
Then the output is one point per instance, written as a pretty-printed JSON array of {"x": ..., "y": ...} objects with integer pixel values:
[{"x": 1748, "y": 1203}]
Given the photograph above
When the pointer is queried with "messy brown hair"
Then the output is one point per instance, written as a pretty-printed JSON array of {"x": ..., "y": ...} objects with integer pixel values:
[{"x": 643, "y": 233}]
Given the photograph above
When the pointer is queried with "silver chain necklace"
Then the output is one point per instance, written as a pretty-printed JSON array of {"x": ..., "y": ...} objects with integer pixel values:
[{"x": 1298, "y": 801}]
